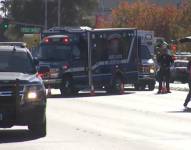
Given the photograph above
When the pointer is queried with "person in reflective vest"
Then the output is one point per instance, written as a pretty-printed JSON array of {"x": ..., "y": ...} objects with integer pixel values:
[{"x": 164, "y": 61}]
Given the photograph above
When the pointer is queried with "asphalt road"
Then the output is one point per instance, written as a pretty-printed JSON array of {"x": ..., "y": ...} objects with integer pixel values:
[{"x": 133, "y": 121}]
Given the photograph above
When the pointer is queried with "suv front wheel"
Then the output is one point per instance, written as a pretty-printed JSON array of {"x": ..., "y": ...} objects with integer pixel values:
[{"x": 38, "y": 129}]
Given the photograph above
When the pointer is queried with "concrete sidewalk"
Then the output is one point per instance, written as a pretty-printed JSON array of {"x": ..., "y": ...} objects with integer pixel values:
[{"x": 177, "y": 86}]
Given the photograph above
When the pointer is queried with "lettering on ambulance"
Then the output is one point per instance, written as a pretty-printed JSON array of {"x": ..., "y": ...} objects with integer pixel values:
[
  {"x": 109, "y": 61},
  {"x": 114, "y": 61}
]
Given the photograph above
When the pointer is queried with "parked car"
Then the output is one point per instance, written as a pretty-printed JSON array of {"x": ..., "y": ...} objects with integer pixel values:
[{"x": 179, "y": 71}]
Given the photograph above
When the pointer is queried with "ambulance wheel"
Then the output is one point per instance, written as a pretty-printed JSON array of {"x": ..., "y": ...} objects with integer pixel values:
[
  {"x": 151, "y": 86},
  {"x": 117, "y": 86},
  {"x": 143, "y": 86},
  {"x": 137, "y": 87},
  {"x": 140, "y": 87},
  {"x": 67, "y": 88}
]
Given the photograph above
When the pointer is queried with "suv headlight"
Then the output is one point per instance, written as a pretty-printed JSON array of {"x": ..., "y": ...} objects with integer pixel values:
[{"x": 33, "y": 93}]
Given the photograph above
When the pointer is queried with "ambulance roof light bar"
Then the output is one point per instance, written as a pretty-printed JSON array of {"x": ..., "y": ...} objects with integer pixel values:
[{"x": 69, "y": 29}]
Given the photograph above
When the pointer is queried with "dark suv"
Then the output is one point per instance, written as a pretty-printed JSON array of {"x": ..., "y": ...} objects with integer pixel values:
[{"x": 22, "y": 93}]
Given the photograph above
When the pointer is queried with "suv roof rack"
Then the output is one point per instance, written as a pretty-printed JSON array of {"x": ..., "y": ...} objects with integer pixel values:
[{"x": 64, "y": 30}]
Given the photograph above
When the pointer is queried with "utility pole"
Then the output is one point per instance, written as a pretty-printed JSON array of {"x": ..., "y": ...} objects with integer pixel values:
[
  {"x": 46, "y": 15},
  {"x": 59, "y": 13},
  {"x": 102, "y": 6}
]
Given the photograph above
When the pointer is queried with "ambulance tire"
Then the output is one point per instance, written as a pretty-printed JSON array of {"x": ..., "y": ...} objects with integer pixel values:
[
  {"x": 117, "y": 85},
  {"x": 151, "y": 86},
  {"x": 139, "y": 87},
  {"x": 67, "y": 88}
]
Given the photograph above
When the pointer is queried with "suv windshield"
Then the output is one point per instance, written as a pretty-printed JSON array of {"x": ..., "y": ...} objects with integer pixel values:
[
  {"x": 145, "y": 53},
  {"x": 11, "y": 61},
  {"x": 54, "y": 52}
]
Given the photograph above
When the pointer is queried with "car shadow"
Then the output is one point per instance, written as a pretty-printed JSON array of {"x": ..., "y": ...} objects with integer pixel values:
[
  {"x": 161, "y": 93},
  {"x": 14, "y": 136},
  {"x": 88, "y": 94},
  {"x": 186, "y": 110}
]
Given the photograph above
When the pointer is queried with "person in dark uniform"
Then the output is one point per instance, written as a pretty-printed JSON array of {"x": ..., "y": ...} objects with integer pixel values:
[
  {"x": 189, "y": 83},
  {"x": 164, "y": 61}
]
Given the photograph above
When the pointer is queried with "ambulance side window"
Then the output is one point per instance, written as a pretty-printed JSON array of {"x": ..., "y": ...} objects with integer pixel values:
[
  {"x": 99, "y": 52},
  {"x": 83, "y": 47}
]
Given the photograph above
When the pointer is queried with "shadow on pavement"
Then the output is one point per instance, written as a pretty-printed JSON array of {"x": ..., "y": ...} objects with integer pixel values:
[
  {"x": 188, "y": 110},
  {"x": 87, "y": 94},
  {"x": 12, "y": 136},
  {"x": 161, "y": 93},
  {"x": 96, "y": 94}
]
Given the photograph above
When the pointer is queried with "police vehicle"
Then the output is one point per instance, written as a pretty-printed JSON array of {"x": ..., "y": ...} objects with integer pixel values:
[
  {"x": 22, "y": 93},
  {"x": 72, "y": 59}
]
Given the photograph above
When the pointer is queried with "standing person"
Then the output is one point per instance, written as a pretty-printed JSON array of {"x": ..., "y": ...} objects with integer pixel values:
[
  {"x": 164, "y": 60},
  {"x": 189, "y": 83}
]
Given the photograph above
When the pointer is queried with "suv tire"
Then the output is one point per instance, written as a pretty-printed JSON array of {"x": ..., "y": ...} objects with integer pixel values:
[{"x": 38, "y": 129}]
